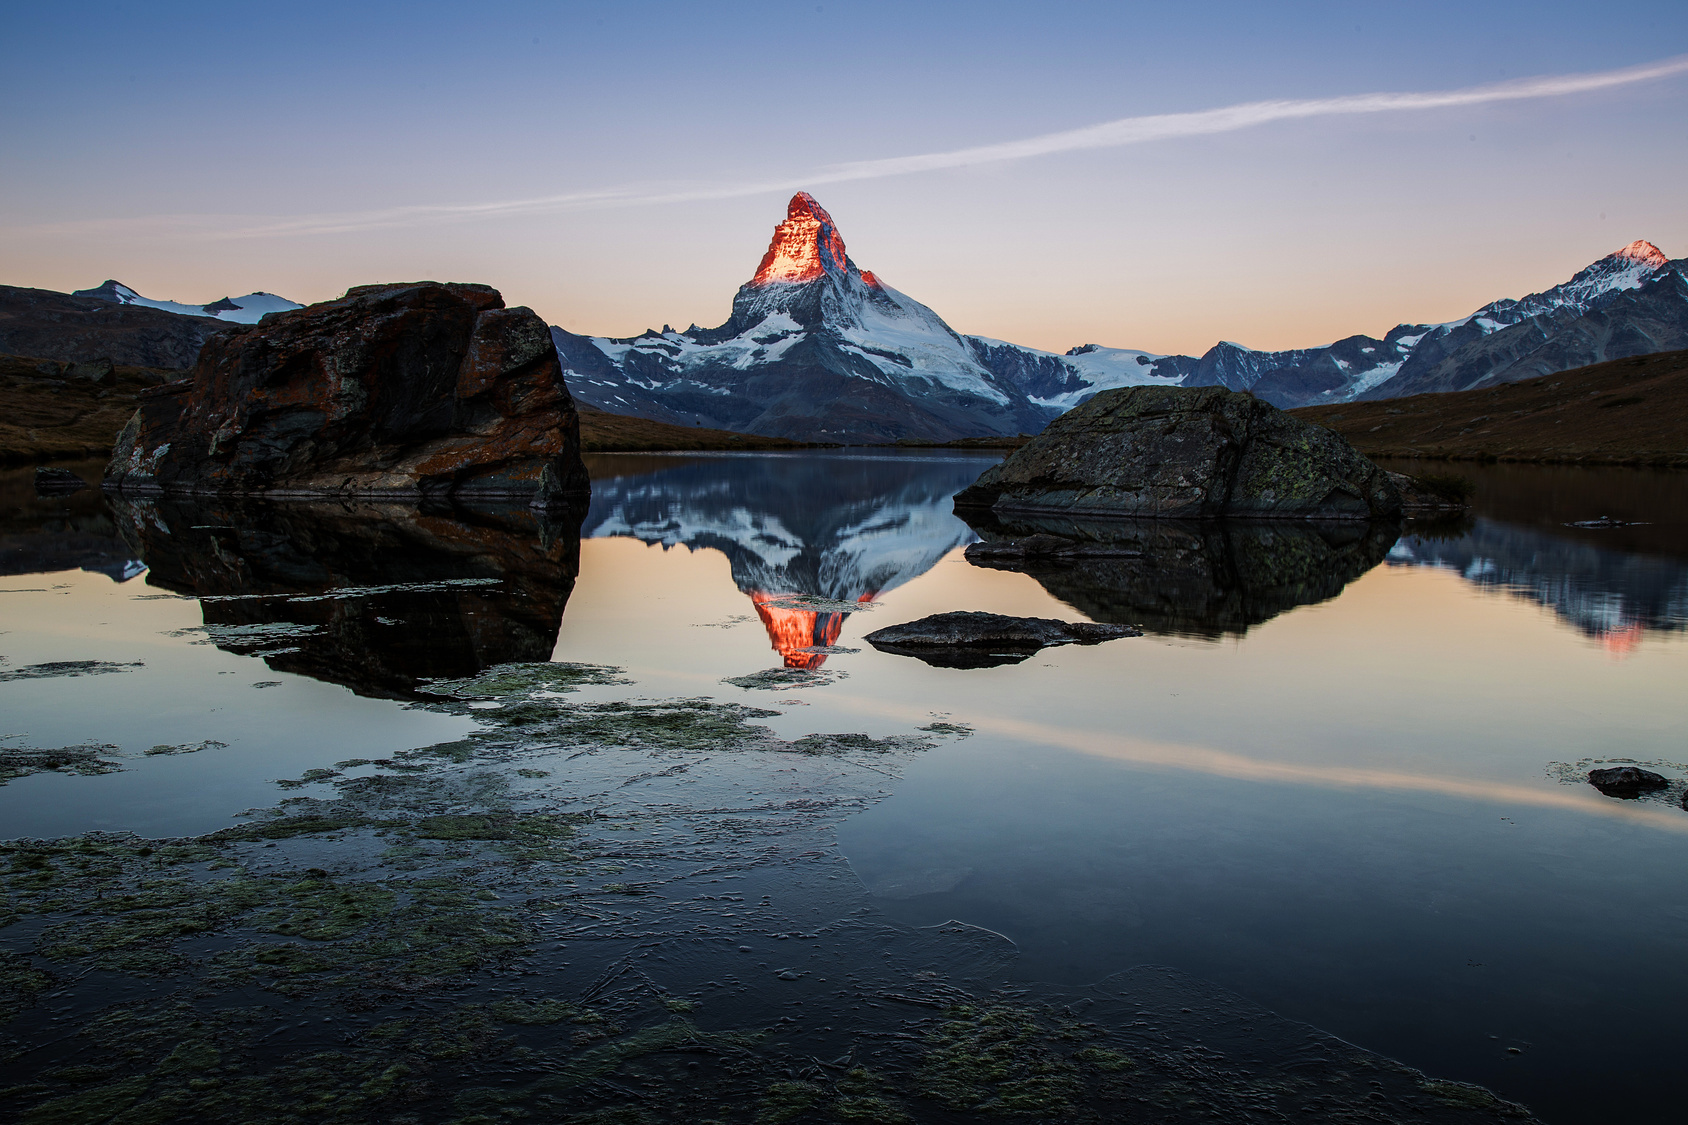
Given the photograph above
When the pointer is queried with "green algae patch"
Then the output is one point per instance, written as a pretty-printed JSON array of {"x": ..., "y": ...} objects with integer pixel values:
[
  {"x": 521, "y": 828},
  {"x": 994, "y": 1059},
  {"x": 519, "y": 680},
  {"x": 788, "y": 1101},
  {"x": 84, "y": 761},
  {"x": 324, "y": 910},
  {"x": 786, "y": 679}
]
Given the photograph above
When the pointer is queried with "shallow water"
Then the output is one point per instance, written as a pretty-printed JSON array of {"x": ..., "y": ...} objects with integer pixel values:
[{"x": 1339, "y": 779}]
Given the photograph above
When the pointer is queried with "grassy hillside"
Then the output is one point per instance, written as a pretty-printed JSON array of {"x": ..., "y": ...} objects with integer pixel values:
[{"x": 1625, "y": 412}]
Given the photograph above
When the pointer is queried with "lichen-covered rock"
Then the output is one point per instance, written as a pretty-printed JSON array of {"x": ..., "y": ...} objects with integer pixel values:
[
  {"x": 394, "y": 392},
  {"x": 1186, "y": 452}
]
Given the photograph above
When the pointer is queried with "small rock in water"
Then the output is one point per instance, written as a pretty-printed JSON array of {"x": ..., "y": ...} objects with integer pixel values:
[
  {"x": 1627, "y": 782},
  {"x": 967, "y": 639},
  {"x": 53, "y": 482}
]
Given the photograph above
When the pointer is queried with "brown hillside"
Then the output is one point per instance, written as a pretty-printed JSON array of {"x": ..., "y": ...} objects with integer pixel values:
[
  {"x": 602, "y": 432},
  {"x": 1624, "y": 412},
  {"x": 51, "y": 410}
]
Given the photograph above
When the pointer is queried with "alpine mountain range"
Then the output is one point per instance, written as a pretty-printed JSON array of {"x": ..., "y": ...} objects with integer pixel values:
[{"x": 818, "y": 349}]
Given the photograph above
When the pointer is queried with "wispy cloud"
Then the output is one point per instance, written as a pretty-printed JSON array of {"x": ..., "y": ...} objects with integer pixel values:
[{"x": 1108, "y": 134}]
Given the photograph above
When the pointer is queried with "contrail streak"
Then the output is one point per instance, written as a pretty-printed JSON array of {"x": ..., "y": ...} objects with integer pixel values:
[{"x": 1108, "y": 134}]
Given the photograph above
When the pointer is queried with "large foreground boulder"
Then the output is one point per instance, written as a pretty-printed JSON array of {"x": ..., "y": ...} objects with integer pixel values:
[
  {"x": 1186, "y": 452},
  {"x": 394, "y": 392}
]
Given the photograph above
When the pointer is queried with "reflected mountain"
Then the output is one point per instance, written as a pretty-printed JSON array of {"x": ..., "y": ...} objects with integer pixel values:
[
  {"x": 377, "y": 598},
  {"x": 1613, "y": 596},
  {"x": 807, "y": 534},
  {"x": 73, "y": 531},
  {"x": 1203, "y": 579}
]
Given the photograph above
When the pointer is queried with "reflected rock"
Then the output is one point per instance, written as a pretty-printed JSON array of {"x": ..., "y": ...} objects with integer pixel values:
[
  {"x": 45, "y": 534},
  {"x": 987, "y": 640},
  {"x": 811, "y": 538},
  {"x": 376, "y": 598},
  {"x": 51, "y": 481},
  {"x": 1206, "y": 578}
]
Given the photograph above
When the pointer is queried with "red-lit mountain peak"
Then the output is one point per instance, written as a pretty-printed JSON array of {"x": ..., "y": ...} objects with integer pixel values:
[
  {"x": 1638, "y": 251},
  {"x": 805, "y": 246}
]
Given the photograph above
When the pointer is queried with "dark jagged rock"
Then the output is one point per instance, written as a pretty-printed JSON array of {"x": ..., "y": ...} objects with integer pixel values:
[
  {"x": 51, "y": 482},
  {"x": 1174, "y": 452},
  {"x": 399, "y": 392},
  {"x": 82, "y": 329},
  {"x": 984, "y": 640},
  {"x": 379, "y": 598},
  {"x": 1195, "y": 578},
  {"x": 1627, "y": 782}
]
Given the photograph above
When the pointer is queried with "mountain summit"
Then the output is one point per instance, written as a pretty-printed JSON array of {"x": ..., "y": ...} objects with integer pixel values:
[
  {"x": 815, "y": 349},
  {"x": 805, "y": 246}
]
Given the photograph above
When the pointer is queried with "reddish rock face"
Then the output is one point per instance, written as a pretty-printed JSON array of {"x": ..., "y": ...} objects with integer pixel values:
[
  {"x": 805, "y": 246},
  {"x": 406, "y": 392}
]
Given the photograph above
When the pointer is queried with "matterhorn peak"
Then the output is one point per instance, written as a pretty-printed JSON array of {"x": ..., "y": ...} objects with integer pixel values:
[
  {"x": 805, "y": 246},
  {"x": 1641, "y": 251}
]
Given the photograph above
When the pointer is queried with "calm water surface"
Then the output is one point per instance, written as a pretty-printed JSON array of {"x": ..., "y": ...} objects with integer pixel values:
[{"x": 1340, "y": 776}]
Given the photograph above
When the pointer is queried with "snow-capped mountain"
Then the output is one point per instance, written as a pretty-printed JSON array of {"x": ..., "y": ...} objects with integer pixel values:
[
  {"x": 1631, "y": 302},
  {"x": 815, "y": 348},
  {"x": 237, "y": 310}
]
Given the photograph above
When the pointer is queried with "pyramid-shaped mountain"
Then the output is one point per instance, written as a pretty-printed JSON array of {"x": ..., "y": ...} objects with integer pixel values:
[{"x": 816, "y": 349}]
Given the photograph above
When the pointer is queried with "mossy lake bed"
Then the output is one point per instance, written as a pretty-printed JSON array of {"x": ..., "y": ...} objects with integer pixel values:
[{"x": 576, "y": 914}]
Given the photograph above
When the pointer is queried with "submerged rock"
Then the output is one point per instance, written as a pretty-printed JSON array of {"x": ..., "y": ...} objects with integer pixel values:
[
  {"x": 393, "y": 392},
  {"x": 50, "y": 481},
  {"x": 985, "y": 640},
  {"x": 1186, "y": 452},
  {"x": 1627, "y": 782}
]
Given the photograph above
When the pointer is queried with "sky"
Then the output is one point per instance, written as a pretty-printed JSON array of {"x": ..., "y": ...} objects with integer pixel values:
[{"x": 618, "y": 167}]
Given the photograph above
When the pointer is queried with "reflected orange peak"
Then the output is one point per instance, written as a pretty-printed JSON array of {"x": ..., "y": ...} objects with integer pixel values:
[{"x": 792, "y": 630}]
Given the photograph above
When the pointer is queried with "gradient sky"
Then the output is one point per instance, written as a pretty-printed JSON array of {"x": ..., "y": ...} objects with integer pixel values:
[{"x": 194, "y": 151}]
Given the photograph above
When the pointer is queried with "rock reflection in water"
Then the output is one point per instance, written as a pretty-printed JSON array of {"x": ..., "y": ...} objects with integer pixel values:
[
  {"x": 1187, "y": 578},
  {"x": 807, "y": 535},
  {"x": 377, "y": 598},
  {"x": 72, "y": 531}
]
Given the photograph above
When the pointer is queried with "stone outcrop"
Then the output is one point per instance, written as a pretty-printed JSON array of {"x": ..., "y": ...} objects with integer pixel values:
[
  {"x": 967, "y": 639},
  {"x": 1186, "y": 453},
  {"x": 409, "y": 392}
]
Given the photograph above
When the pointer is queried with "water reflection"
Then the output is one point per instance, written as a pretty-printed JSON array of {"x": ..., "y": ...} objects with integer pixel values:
[
  {"x": 1194, "y": 579},
  {"x": 75, "y": 531},
  {"x": 807, "y": 535},
  {"x": 1612, "y": 596},
  {"x": 376, "y": 598}
]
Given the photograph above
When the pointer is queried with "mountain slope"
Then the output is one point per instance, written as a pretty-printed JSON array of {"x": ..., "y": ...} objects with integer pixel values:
[
  {"x": 70, "y": 329},
  {"x": 1624, "y": 411},
  {"x": 1631, "y": 302}
]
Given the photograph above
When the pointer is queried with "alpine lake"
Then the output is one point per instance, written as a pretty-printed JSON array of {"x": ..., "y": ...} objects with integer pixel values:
[{"x": 350, "y": 814}]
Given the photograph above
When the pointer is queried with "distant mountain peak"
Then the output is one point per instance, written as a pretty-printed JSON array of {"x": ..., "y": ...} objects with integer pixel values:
[
  {"x": 805, "y": 246},
  {"x": 1643, "y": 251}
]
